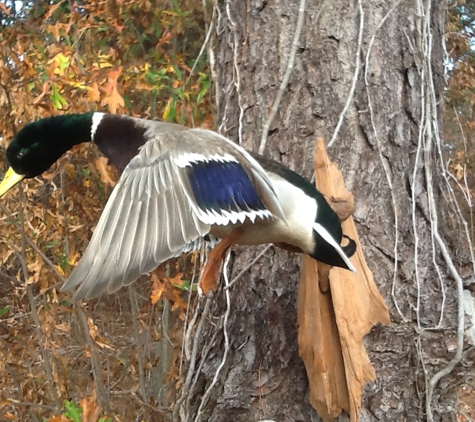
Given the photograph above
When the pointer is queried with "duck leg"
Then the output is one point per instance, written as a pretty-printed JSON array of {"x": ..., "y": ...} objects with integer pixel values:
[{"x": 209, "y": 276}]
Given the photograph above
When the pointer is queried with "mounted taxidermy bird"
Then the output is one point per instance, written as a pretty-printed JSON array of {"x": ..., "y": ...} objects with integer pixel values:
[{"x": 177, "y": 185}]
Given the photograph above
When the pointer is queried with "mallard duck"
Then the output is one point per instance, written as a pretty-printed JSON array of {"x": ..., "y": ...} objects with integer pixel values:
[{"x": 177, "y": 185}]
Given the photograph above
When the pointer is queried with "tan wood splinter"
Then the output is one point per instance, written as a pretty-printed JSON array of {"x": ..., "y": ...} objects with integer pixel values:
[{"x": 336, "y": 309}]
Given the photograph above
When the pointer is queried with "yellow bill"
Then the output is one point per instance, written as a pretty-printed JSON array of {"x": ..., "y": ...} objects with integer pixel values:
[{"x": 10, "y": 180}]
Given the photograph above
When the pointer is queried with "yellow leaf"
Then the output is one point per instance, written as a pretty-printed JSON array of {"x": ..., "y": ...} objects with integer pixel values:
[
  {"x": 70, "y": 169},
  {"x": 105, "y": 65},
  {"x": 60, "y": 63},
  {"x": 168, "y": 107},
  {"x": 60, "y": 270}
]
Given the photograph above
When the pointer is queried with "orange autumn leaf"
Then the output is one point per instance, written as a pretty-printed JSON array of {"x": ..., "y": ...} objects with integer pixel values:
[
  {"x": 35, "y": 268},
  {"x": 59, "y": 418},
  {"x": 90, "y": 409},
  {"x": 177, "y": 280},
  {"x": 107, "y": 172},
  {"x": 170, "y": 289},
  {"x": 52, "y": 9},
  {"x": 93, "y": 330},
  {"x": 93, "y": 93},
  {"x": 5, "y": 9},
  {"x": 113, "y": 99},
  {"x": 158, "y": 288},
  {"x": 179, "y": 303}
]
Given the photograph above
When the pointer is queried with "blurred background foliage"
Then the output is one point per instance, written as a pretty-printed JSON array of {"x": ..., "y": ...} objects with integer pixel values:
[
  {"x": 139, "y": 57},
  {"x": 459, "y": 107}
]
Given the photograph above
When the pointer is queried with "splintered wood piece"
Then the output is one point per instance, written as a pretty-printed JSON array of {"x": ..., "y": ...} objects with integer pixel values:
[
  {"x": 319, "y": 344},
  {"x": 210, "y": 274},
  {"x": 336, "y": 309}
]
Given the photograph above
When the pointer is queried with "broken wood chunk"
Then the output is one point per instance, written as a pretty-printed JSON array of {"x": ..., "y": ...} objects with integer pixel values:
[{"x": 336, "y": 309}]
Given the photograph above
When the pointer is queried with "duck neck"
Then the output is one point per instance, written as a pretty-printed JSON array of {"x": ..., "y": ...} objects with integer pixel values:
[
  {"x": 71, "y": 129},
  {"x": 61, "y": 133}
]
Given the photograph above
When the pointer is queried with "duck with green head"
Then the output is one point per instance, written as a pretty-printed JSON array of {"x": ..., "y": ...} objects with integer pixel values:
[{"x": 177, "y": 185}]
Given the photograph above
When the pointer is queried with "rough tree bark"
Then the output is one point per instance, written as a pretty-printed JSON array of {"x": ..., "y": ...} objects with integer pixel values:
[{"x": 390, "y": 54}]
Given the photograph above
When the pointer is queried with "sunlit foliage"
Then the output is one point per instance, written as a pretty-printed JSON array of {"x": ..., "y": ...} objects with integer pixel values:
[{"x": 139, "y": 57}]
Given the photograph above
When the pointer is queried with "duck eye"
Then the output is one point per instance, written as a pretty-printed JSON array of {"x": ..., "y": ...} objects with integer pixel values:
[{"x": 21, "y": 153}]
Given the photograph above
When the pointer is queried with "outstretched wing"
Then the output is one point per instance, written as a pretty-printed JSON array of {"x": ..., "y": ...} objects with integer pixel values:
[
  {"x": 164, "y": 201},
  {"x": 146, "y": 221}
]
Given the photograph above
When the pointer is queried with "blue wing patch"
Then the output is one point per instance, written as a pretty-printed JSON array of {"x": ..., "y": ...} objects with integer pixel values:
[{"x": 222, "y": 185}]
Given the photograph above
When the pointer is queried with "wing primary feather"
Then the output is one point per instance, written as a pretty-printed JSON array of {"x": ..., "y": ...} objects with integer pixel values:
[
  {"x": 173, "y": 229},
  {"x": 88, "y": 259},
  {"x": 142, "y": 179},
  {"x": 124, "y": 249},
  {"x": 138, "y": 248},
  {"x": 163, "y": 174},
  {"x": 151, "y": 184},
  {"x": 188, "y": 232},
  {"x": 96, "y": 282},
  {"x": 120, "y": 236},
  {"x": 157, "y": 179},
  {"x": 139, "y": 252},
  {"x": 148, "y": 263},
  {"x": 162, "y": 250}
]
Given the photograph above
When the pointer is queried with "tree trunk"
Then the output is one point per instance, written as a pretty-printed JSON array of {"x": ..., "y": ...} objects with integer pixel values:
[{"x": 390, "y": 56}]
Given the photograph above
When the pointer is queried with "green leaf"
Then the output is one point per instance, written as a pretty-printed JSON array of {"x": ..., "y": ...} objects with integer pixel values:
[
  {"x": 4, "y": 310},
  {"x": 58, "y": 101},
  {"x": 72, "y": 411},
  {"x": 203, "y": 90},
  {"x": 186, "y": 285}
]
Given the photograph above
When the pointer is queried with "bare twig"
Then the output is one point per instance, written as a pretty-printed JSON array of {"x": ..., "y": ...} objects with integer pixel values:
[
  {"x": 177, "y": 410},
  {"x": 204, "y": 45},
  {"x": 285, "y": 80},
  {"x": 207, "y": 394},
  {"x": 430, "y": 136},
  {"x": 385, "y": 164},
  {"x": 349, "y": 100},
  {"x": 187, "y": 313},
  {"x": 140, "y": 359},
  {"x": 23, "y": 403},
  {"x": 245, "y": 269},
  {"x": 9, "y": 277},
  {"x": 96, "y": 367},
  {"x": 236, "y": 73},
  {"x": 35, "y": 247},
  {"x": 34, "y": 313}
]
